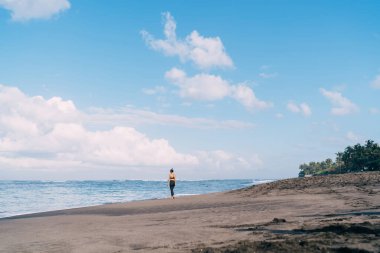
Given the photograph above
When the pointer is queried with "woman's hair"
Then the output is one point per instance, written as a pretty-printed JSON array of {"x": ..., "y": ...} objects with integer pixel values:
[{"x": 171, "y": 170}]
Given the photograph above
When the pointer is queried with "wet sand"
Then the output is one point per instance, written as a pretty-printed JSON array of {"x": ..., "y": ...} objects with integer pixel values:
[{"x": 337, "y": 213}]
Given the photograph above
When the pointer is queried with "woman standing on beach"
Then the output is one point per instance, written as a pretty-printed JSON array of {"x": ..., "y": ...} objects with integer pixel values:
[{"x": 171, "y": 182}]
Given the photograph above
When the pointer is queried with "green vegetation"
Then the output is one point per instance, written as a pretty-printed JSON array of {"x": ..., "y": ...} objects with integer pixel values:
[{"x": 353, "y": 159}]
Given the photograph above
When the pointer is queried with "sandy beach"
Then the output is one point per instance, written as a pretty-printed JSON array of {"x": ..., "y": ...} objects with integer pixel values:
[{"x": 336, "y": 213}]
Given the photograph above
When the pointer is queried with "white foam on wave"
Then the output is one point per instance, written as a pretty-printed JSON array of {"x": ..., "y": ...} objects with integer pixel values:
[{"x": 263, "y": 181}]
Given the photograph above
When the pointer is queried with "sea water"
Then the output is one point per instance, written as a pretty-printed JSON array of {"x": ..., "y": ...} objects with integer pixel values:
[{"x": 24, "y": 197}]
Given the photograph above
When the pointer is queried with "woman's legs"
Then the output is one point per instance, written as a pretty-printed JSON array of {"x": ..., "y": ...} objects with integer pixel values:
[{"x": 172, "y": 185}]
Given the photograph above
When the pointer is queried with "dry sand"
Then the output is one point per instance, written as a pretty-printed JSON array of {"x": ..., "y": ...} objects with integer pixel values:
[{"x": 337, "y": 213}]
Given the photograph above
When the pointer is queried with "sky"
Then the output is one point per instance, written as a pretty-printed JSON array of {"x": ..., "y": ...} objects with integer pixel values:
[{"x": 214, "y": 89}]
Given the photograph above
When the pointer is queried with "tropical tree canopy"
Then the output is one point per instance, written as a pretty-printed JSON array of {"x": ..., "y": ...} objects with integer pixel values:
[{"x": 353, "y": 159}]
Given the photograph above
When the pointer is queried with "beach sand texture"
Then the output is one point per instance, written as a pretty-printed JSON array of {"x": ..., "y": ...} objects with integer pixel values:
[{"x": 336, "y": 213}]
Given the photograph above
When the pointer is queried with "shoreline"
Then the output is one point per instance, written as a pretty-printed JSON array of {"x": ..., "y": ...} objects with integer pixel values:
[
  {"x": 137, "y": 200},
  {"x": 329, "y": 212},
  {"x": 66, "y": 195},
  {"x": 73, "y": 210}
]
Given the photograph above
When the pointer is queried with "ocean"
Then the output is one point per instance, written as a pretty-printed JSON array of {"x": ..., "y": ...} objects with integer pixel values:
[{"x": 24, "y": 197}]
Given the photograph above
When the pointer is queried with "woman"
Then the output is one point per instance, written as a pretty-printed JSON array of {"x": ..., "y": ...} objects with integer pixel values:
[{"x": 171, "y": 182}]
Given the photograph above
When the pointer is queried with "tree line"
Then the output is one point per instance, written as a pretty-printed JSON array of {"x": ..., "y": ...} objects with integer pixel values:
[{"x": 353, "y": 159}]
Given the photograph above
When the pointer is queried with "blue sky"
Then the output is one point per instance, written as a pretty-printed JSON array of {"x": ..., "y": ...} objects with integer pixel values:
[{"x": 226, "y": 89}]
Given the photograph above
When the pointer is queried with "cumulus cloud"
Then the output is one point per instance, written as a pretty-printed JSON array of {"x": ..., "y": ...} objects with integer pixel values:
[
  {"x": 23, "y": 10},
  {"x": 212, "y": 87},
  {"x": 376, "y": 82},
  {"x": 52, "y": 134},
  {"x": 204, "y": 52},
  {"x": 200, "y": 86},
  {"x": 55, "y": 129},
  {"x": 302, "y": 108},
  {"x": 341, "y": 104}
]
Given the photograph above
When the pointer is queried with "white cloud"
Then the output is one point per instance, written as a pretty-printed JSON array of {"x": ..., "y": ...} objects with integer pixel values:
[
  {"x": 53, "y": 135},
  {"x": 222, "y": 160},
  {"x": 302, "y": 108},
  {"x": 341, "y": 105},
  {"x": 245, "y": 95},
  {"x": 374, "y": 111},
  {"x": 212, "y": 87},
  {"x": 279, "y": 115},
  {"x": 293, "y": 107},
  {"x": 155, "y": 90},
  {"x": 267, "y": 75},
  {"x": 23, "y": 10},
  {"x": 376, "y": 82},
  {"x": 18, "y": 110},
  {"x": 204, "y": 52},
  {"x": 55, "y": 128},
  {"x": 136, "y": 117},
  {"x": 305, "y": 109},
  {"x": 351, "y": 136},
  {"x": 200, "y": 86},
  {"x": 264, "y": 67},
  {"x": 176, "y": 75}
]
